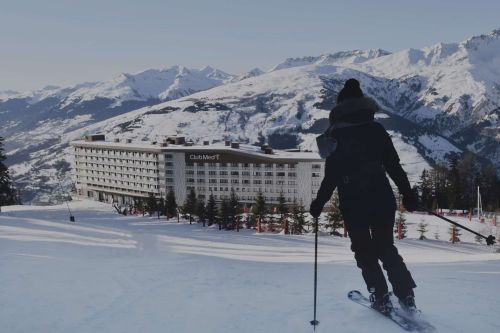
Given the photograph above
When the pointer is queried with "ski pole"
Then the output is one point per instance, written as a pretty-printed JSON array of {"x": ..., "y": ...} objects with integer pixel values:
[
  {"x": 490, "y": 240},
  {"x": 315, "y": 322}
]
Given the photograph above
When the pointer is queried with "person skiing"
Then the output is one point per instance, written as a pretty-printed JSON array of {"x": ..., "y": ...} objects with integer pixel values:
[{"x": 357, "y": 167}]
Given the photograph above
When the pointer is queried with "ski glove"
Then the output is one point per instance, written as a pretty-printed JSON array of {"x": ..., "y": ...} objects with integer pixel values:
[
  {"x": 410, "y": 201},
  {"x": 315, "y": 208}
]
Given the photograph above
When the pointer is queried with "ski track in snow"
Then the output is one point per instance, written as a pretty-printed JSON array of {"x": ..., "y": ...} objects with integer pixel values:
[{"x": 111, "y": 273}]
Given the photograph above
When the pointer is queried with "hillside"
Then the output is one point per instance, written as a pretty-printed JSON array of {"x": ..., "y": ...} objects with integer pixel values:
[{"x": 111, "y": 273}]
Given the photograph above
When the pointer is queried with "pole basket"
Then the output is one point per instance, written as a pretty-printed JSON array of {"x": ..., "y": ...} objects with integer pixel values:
[
  {"x": 71, "y": 218},
  {"x": 490, "y": 240}
]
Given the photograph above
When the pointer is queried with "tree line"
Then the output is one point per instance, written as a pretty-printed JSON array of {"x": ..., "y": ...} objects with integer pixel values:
[
  {"x": 229, "y": 213},
  {"x": 8, "y": 193},
  {"x": 454, "y": 185}
]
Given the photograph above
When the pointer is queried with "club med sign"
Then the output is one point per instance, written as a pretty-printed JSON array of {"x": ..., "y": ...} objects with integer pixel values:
[
  {"x": 203, "y": 157},
  {"x": 222, "y": 157}
]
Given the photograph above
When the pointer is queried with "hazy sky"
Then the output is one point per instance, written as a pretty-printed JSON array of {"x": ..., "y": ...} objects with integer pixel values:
[{"x": 66, "y": 42}]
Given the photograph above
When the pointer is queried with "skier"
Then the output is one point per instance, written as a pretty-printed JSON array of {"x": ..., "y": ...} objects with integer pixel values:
[{"x": 358, "y": 166}]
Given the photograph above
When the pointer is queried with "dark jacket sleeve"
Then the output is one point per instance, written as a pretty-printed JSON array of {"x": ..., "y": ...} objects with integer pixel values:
[
  {"x": 328, "y": 184},
  {"x": 393, "y": 167}
]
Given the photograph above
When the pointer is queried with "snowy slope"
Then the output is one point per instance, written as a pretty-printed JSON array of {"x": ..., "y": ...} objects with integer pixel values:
[{"x": 110, "y": 273}]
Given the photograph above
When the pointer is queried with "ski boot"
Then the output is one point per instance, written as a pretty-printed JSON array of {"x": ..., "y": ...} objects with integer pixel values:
[
  {"x": 408, "y": 303},
  {"x": 381, "y": 303}
]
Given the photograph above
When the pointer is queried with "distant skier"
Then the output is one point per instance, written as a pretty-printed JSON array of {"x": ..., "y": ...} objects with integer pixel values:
[{"x": 358, "y": 167}]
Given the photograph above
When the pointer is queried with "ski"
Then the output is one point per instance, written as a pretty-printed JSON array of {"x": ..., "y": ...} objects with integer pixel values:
[{"x": 404, "y": 320}]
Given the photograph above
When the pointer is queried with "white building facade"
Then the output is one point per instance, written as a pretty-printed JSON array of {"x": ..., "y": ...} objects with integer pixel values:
[{"x": 123, "y": 171}]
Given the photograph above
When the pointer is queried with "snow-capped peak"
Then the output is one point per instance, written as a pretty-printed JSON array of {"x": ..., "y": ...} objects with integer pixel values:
[
  {"x": 251, "y": 73},
  {"x": 161, "y": 84},
  {"x": 338, "y": 58}
]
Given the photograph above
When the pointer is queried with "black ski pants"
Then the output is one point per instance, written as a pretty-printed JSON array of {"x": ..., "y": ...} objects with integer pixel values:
[{"x": 371, "y": 243}]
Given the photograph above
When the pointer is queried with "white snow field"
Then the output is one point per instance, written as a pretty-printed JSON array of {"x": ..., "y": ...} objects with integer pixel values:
[{"x": 112, "y": 273}]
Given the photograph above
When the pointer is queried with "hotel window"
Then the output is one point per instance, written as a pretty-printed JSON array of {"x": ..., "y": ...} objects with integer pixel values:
[
  {"x": 269, "y": 174},
  {"x": 223, "y": 173},
  {"x": 316, "y": 166},
  {"x": 234, "y": 164},
  {"x": 212, "y": 173},
  {"x": 189, "y": 164},
  {"x": 257, "y": 181},
  {"x": 234, "y": 181},
  {"x": 223, "y": 164},
  {"x": 200, "y": 172},
  {"x": 316, "y": 174},
  {"x": 234, "y": 173},
  {"x": 268, "y": 182},
  {"x": 292, "y": 174}
]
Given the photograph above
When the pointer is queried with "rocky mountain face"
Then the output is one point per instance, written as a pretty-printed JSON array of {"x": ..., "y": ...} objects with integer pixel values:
[{"x": 435, "y": 101}]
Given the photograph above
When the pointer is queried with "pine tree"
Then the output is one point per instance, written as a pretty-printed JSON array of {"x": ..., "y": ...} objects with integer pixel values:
[
  {"x": 335, "y": 220},
  {"x": 190, "y": 204},
  {"x": 161, "y": 207},
  {"x": 422, "y": 229},
  {"x": 250, "y": 222},
  {"x": 233, "y": 207},
  {"x": 298, "y": 216},
  {"x": 281, "y": 208},
  {"x": 171, "y": 204},
  {"x": 139, "y": 205},
  {"x": 425, "y": 188},
  {"x": 211, "y": 210},
  {"x": 453, "y": 184},
  {"x": 200, "y": 210},
  {"x": 8, "y": 195},
  {"x": 400, "y": 224},
  {"x": 151, "y": 204},
  {"x": 223, "y": 213},
  {"x": 259, "y": 207}
]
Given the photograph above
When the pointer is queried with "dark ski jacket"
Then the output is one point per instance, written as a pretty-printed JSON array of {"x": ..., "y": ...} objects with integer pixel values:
[{"x": 358, "y": 167}]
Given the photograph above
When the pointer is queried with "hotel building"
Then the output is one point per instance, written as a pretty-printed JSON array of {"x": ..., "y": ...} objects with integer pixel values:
[{"x": 119, "y": 171}]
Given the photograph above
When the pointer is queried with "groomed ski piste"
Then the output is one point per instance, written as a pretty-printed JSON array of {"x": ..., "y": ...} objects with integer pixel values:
[{"x": 113, "y": 273}]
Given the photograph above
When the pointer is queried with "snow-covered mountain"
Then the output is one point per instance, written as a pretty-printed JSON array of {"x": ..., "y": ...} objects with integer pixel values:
[
  {"x": 339, "y": 58},
  {"x": 435, "y": 101},
  {"x": 34, "y": 121}
]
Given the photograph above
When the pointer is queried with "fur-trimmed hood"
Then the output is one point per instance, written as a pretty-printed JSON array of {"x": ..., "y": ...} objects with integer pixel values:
[{"x": 354, "y": 110}]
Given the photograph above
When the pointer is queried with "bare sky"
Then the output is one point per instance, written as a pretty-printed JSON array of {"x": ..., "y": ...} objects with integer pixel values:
[{"x": 67, "y": 42}]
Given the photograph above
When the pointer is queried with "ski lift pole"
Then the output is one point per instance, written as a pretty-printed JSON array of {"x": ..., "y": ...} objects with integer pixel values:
[
  {"x": 490, "y": 240},
  {"x": 315, "y": 322}
]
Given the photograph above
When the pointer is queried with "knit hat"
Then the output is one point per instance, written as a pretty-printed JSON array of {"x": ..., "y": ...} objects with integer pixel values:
[{"x": 351, "y": 90}]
